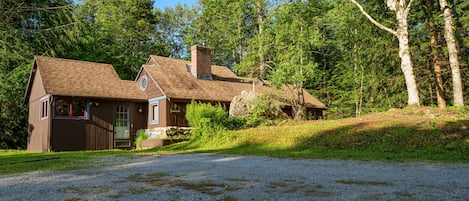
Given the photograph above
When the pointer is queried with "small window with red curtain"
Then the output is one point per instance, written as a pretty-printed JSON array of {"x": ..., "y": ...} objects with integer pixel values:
[{"x": 70, "y": 109}]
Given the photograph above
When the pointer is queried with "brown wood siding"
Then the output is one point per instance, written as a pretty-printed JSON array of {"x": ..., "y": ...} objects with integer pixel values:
[
  {"x": 178, "y": 119},
  {"x": 38, "y": 133},
  {"x": 138, "y": 119},
  {"x": 93, "y": 134},
  {"x": 97, "y": 132},
  {"x": 152, "y": 90},
  {"x": 314, "y": 114},
  {"x": 37, "y": 88}
]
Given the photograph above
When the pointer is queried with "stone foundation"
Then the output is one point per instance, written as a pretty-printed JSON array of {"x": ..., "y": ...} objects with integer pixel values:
[{"x": 158, "y": 137}]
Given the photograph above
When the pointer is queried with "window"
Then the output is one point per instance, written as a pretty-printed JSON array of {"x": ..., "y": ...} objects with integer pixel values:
[
  {"x": 143, "y": 83},
  {"x": 68, "y": 108},
  {"x": 44, "y": 111},
  {"x": 155, "y": 113}
]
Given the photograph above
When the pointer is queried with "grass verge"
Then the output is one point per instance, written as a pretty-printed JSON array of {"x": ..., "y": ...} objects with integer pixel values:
[
  {"x": 424, "y": 134},
  {"x": 13, "y": 161}
]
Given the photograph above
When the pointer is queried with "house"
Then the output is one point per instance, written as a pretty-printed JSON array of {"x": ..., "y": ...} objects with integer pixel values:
[
  {"x": 171, "y": 84},
  {"x": 78, "y": 105}
]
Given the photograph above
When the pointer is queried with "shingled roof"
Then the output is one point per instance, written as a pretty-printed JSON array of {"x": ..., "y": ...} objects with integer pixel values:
[
  {"x": 85, "y": 79},
  {"x": 175, "y": 80}
]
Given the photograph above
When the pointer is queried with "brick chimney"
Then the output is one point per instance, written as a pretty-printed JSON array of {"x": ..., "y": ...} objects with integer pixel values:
[{"x": 201, "y": 67}]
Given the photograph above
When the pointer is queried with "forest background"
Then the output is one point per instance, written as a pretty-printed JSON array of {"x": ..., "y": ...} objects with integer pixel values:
[{"x": 328, "y": 47}]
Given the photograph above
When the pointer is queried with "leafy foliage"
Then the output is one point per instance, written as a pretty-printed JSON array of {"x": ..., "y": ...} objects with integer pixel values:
[
  {"x": 327, "y": 47},
  {"x": 206, "y": 120},
  {"x": 139, "y": 138}
]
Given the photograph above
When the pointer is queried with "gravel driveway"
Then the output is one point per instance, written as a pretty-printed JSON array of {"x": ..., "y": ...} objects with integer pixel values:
[{"x": 226, "y": 177}]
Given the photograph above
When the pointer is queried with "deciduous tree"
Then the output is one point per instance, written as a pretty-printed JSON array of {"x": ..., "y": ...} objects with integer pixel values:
[
  {"x": 401, "y": 9},
  {"x": 458, "y": 99}
]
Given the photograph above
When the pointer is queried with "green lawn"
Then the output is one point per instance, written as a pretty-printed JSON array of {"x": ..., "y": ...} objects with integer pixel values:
[
  {"x": 22, "y": 161},
  {"x": 423, "y": 134},
  {"x": 398, "y": 135}
]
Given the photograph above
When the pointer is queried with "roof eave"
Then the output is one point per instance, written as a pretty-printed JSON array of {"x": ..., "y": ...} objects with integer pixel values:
[
  {"x": 102, "y": 97},
  {"x": 30, "y": 81}
]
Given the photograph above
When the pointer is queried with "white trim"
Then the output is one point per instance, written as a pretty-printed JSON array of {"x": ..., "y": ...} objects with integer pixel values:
[
  {"x": 151, "y": 102},
  {"x": 138, "y": 74},
  {"x": 152, "y": 112},
  {"x": 47, "y": 109},
  {"x": 156, "y": 99},
  {"x": 140, "y": 82}
]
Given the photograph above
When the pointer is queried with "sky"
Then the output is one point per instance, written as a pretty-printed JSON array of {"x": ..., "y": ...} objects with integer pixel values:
[{"x": 161, "y": 4}]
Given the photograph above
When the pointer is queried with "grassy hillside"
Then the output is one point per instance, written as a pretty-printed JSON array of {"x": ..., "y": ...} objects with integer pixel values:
[
  {"x": 423, "y": 134},
  {"x": 408, "y": 134}
]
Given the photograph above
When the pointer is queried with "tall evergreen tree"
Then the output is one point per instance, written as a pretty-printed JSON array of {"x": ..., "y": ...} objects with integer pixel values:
[{"x": 26, "y": 28}]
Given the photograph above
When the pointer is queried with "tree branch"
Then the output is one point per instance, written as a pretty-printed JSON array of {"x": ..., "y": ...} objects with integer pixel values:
[
  {"x": 373, "y": 20},
  {"x": 30, "y": 8},
  {"x": 408, "y": 6}
]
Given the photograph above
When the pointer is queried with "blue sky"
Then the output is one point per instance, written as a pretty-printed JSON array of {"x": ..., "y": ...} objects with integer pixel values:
[{"x": 161, "y": 4}]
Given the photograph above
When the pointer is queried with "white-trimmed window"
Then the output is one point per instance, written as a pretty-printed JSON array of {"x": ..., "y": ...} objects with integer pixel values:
[
  {"x": 44, "y": 108},
  {"x": 155, "y": 112},
  {"x": 143, "y": 83}
]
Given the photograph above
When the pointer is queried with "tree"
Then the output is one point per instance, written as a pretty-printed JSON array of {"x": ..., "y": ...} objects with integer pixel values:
[
  {"x": 224, "y": 26},
  {"x": 121, "y": 32},
  {"x": 26, "y": 28},
  {"x": 255, "y": 62},
  {"x": 452, "y": 54},
  {"x": 359, "y": 64},
  {"x": 173, "y": 25},
  {"x": 435, "y": 55},
  {"x": 401, "y": 9},
  {"x": 293, "y": 60}
]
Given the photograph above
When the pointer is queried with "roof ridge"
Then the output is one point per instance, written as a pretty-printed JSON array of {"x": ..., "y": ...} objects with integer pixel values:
[
  {"x": 73, "y": 60},
  {"x": 79, "y": 62},
  {"x": 152, "y": 55}
]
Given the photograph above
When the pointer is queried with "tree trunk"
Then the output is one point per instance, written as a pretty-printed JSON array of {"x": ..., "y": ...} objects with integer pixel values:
[
  {"x": 406, "y": 62},
  {"x": 299, "y": 103},
  {"x": 402, "y": 11},
  {"x": 453, "y": 54},
  {"x": 440, "y": 91},
  {"x": 260, "y": 24}
]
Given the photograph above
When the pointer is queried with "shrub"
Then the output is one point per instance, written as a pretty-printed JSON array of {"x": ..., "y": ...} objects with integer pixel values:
[
  {"x": 266, "y": 107},
  {"x": 205, "y": 119},
  {"x": 139, "y": 138},
  {"x": 235, "y": 123}
]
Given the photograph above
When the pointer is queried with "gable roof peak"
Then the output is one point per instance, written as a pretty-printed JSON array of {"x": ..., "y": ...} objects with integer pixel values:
[{"x": 68, "y": 77}]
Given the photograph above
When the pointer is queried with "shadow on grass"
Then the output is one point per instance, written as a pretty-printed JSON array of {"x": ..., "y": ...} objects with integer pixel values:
[
  {"x": 26, "y": 162},
  {"x": 423, "y": 141}
]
